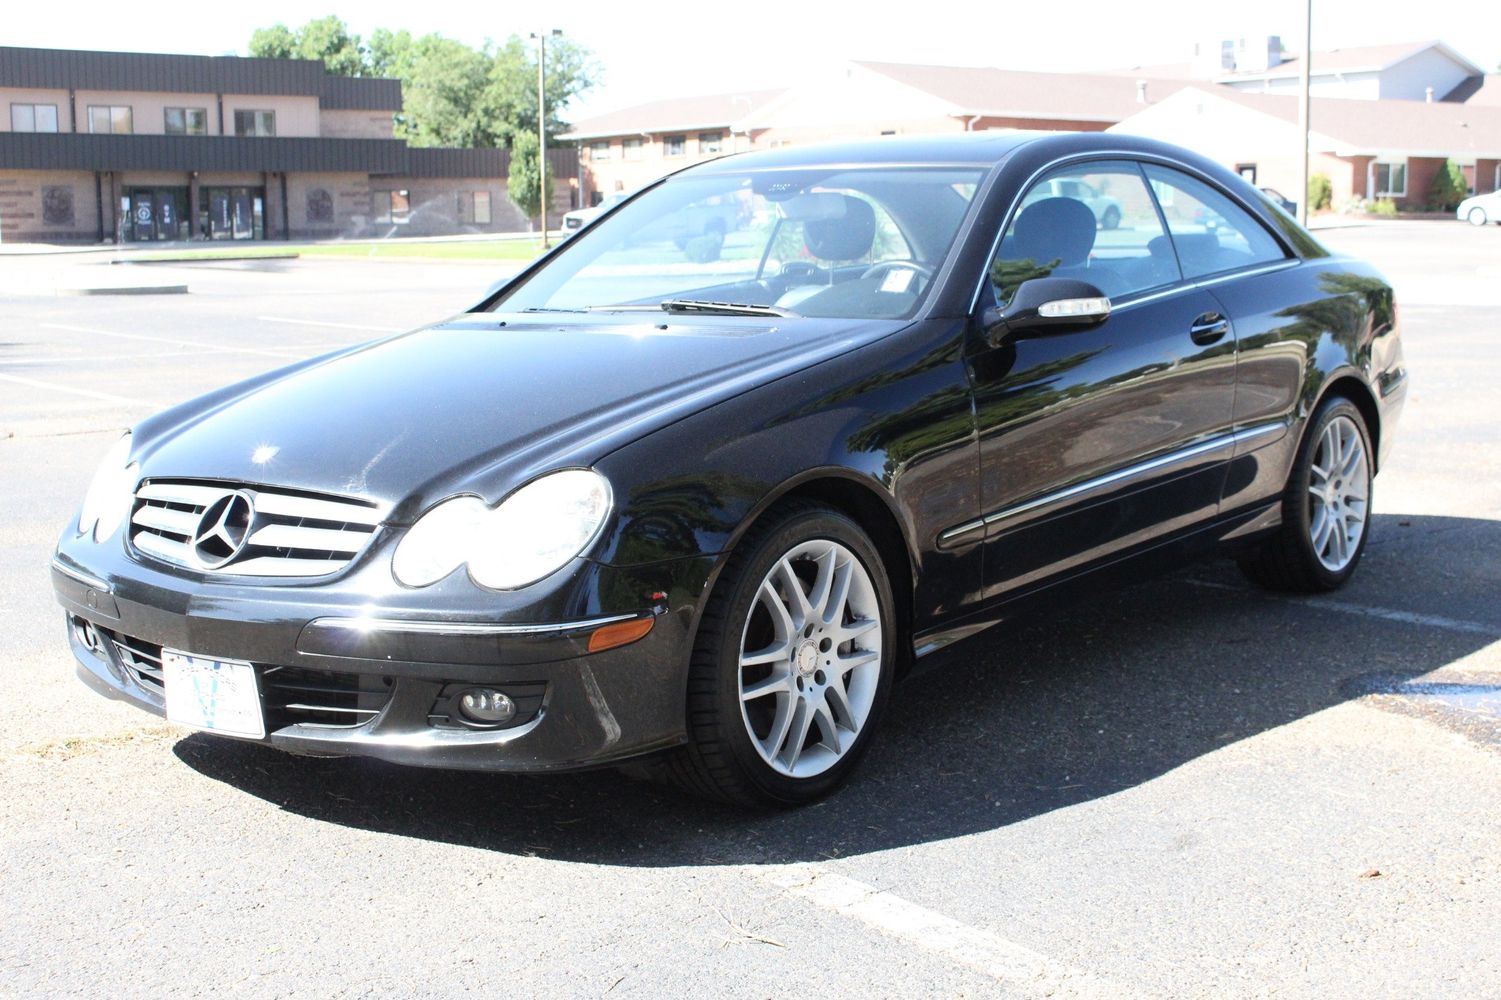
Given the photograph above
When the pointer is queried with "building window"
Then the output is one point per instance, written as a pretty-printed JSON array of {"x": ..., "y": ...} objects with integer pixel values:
[
  {"x": 33, "y": 117},
  {"x": 186, "y": 121},
  {"x": 255, "y": 123},
  {"x": 392, "y": 206},
  {"x": 710, "y": 143},
  {"x": 673, "y": 145},
  {"x": 1247, "y": 172},
  {"x": 599, "y": 151},
  {"x": 1388, "y": 180},
  {"x": 104, "y": 120},
  {"x": 630, "y": 149},
  {"x": 482, "y": 208}
]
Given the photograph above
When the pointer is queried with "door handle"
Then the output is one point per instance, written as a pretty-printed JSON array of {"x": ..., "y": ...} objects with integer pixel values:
[{"x": 1208, "y": 328}]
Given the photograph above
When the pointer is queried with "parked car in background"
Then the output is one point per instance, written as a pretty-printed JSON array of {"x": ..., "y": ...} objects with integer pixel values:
[
  {"x": 1281, "y": 201},
  {"x": 700, "y": 513},
  {"x": 580, "y": 217},
  {"x": 1479, "y": 209},
  {"x": 1107, "y": 211}
]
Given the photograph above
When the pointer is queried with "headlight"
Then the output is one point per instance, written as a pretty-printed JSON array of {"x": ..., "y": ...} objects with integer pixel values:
[
  {"x": 108, "y": 499},
  {"x": 530, "y": 535}
]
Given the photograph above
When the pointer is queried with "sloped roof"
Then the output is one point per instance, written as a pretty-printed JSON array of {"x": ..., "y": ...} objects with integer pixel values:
[
  {"x": 676, "y": 114},
  {"x": 1348, "y": 59},
  {"x": 1346, "y": 127},
  {"x": 985, "y": 90},
  {"x": 1484, "y": 91}
]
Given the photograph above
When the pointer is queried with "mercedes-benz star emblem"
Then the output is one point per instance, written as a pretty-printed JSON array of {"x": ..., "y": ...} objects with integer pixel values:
[{"x": 223, "y": 530}]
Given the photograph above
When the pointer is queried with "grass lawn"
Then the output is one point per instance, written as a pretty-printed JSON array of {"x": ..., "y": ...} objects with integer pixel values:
[{"x": 497, "y": 250}]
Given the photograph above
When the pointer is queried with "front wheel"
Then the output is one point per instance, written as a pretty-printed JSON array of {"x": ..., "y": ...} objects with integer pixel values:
[
  {"x": 1477, "y": 217},
  {"x": 1326, "y": 507},
  {"x": 1111, "y": 219},
  {"x": 793, "y": 663}
]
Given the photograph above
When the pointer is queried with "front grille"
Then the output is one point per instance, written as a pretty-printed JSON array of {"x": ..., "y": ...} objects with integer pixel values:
[
  {"x": 294, "y": 696},
  {"x": 141, "y": 659},
  {"x": 269, "y": 532},
  {"x": 289, "y": 695}
]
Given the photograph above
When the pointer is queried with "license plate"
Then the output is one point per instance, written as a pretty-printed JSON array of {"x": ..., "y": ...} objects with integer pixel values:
[{"x": 218, "y": 695}]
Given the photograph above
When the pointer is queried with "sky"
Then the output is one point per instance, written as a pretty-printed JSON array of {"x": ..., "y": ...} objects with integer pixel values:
[{"x": 673, "y": 48}]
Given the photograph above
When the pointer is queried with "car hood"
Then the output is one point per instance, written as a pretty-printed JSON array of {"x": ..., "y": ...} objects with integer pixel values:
[{"x": 480, "y": 403}]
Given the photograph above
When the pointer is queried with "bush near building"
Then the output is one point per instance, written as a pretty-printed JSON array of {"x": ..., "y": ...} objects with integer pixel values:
[
  {"x": 1320, "y": 192},
  {"x": 1449, "y": 188}
]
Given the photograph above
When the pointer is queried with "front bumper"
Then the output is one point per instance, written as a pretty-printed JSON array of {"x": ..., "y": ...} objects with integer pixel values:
[{"x": 340, "y": 677}]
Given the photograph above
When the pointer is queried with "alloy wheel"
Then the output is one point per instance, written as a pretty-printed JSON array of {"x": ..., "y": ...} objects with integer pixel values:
[
  {"x": 1339, "y": 490},
  {"x": 810, "y": 658}
]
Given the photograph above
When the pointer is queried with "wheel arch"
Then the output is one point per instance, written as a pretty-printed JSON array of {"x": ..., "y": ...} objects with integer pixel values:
[
  {"x": 854, "y": 496},
  {"x": 1349, "y": 386}
]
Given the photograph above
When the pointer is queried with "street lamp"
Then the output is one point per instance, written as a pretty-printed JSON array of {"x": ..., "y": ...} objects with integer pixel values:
[{"x": 541, "y": 37}]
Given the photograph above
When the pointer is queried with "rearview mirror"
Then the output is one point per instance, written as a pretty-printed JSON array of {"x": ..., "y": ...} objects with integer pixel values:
[{"x": 1048, "y": 305}]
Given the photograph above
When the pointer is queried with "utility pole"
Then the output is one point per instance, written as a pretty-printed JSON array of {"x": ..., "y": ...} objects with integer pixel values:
[
  {"x": 541, "y": 38},
  {"x": 1303, "y": 72}
]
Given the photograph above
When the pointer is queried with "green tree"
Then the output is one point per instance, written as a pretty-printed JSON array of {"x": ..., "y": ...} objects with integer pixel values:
[
  {"x": 522, "y": 184},
  {"x": 1320, "y": 192},
  {"x": 1448, "y": 189},
  {"x": 453, "y": 95},
  {"x": 326, "y": 38}
]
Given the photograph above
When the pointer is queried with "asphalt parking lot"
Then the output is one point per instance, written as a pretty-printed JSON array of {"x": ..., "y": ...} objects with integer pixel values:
[{"x": 1188, "y": 789}]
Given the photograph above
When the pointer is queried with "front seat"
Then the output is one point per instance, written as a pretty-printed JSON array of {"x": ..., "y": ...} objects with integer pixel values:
[{"x": 1061, "y": 229}]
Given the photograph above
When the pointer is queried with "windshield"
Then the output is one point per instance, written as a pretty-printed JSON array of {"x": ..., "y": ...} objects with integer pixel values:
[{"x": 810, "y": 242}]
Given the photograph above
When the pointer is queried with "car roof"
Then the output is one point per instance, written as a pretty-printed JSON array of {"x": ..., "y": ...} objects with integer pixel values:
[{"x": 982, "y": 149}]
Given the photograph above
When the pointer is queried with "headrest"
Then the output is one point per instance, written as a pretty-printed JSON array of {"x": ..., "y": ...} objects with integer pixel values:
[
  {"x": 846, "y": 232},
  {"x": 1059, "y": 229}
]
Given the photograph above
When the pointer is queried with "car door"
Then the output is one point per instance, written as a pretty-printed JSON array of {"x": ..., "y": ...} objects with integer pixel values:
[{"x": 1098, "y": 440}]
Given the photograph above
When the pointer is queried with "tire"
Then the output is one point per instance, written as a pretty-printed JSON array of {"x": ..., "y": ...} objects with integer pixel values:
[
  {"x": 756, "y": 636},
  {"x": 1111, "y": 218},
  {"x": 1326, "y": 507},
  {"x": 1477, "y": 217}
]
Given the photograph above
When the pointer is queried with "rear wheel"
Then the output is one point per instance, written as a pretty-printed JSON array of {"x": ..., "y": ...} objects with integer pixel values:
[
  {"x": 1326, "y": 507},
  {"x": 1111, "y": 218},
  {"x": 793, "y": 664}
]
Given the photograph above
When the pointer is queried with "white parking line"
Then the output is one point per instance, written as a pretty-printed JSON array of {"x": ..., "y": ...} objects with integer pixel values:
[
  {"x": 295, "y": 355},
  {"x": 339, "y": 326},
  {"x": 1015, "y": 966},
  {"x": 55, "y": 387},
  {"x": 1388, "y": 614}
]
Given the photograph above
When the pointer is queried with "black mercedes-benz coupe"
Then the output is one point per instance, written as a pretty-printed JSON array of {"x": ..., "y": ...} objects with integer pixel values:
[{"x": 698, "y": 487}]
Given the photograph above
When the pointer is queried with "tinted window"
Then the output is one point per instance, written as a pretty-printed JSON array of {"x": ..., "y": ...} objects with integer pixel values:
[
  {"x": 1094, "y": 222},
  {"x": 1210, "y": 231}
]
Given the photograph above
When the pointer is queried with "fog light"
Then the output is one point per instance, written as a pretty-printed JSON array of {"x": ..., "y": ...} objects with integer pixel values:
[{"x": 486, "y": 707}]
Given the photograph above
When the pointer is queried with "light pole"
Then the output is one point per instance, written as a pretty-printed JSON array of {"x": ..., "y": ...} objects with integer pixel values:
[
  {"x": 541, "y": 37},
  {"x": 1303, "y": 74}
]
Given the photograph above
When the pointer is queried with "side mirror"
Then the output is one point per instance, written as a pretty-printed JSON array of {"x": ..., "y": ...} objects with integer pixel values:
[{"x": 1047, "y": 305}]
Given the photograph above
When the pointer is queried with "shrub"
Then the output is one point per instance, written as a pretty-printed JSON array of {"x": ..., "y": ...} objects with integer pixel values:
[
  {"x": 1385, "y": 207},
  {"x": 1320, "y": 192},
  {"x": 1448, "y": 189}
]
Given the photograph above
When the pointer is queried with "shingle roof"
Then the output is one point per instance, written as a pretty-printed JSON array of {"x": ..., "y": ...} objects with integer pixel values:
[
  {"x": 676, "y": 114},
  {"x": 1413, "y": 128},
  {"x": 1484, "y": 91},
  {"x": 985, "y": 90},
  {"x": 1348, "y": 59}
]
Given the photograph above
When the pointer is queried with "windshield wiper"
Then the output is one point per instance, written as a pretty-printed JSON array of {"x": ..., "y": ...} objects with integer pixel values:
[{"x": 725, "y": 308}]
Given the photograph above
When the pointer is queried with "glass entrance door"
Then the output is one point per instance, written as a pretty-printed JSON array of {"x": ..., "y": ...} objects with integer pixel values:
[
  {"x": 231, "y": 213},
  {"x": 156, "y": 214}
]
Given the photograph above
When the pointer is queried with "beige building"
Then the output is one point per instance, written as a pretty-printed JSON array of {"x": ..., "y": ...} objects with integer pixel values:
[
  {"x": 110, "y": 146},
  {"x": 1371, "y": 149}
]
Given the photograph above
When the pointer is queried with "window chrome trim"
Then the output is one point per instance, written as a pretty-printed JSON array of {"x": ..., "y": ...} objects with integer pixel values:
[
  {"x": 79, "y": 576},
  {"x": 1234, "y": 439},
  {"x": 1214, "y": 279},
  {"x": 1137, "y": 158},
  {"x": 398, "y": 626}
]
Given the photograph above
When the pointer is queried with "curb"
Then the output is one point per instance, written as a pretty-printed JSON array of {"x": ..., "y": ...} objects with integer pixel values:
[{"x": 126, "y": 290}]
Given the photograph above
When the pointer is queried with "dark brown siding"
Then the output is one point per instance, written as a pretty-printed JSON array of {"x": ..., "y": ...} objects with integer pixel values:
[{"x": 143, "y": 71}]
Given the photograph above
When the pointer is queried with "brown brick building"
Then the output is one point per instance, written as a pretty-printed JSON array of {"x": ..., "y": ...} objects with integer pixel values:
[{"x": 102, "y": 146}]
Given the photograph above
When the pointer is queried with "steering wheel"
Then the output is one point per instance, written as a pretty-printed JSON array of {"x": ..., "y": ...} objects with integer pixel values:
[{"x": 923, "y": 271}]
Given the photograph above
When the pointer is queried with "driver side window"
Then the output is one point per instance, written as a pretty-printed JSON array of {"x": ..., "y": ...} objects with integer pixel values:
[{"x": 1093, "y": 222}]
